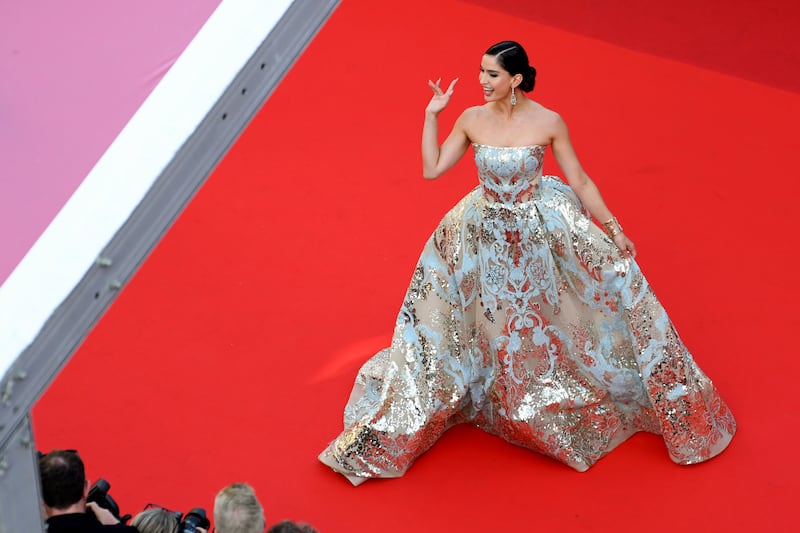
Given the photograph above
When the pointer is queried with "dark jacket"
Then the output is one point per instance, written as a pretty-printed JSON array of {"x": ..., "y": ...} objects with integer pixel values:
[{"x": 83, "y": 523}]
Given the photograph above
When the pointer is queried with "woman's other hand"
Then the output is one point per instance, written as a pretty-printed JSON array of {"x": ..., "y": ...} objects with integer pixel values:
[{"x": 625, "y": 245}]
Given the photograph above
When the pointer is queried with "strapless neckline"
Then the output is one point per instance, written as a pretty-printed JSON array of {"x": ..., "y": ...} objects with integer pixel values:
[{"x": 511, "y": 147}]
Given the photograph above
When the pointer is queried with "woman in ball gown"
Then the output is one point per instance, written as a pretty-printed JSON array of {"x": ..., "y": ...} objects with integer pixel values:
[{"x": 523, "y": 317}]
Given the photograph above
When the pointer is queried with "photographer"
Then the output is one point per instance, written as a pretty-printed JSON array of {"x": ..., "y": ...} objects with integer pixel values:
[
  {"x": 237, "y": 510},
  {"x": 156, "y": 521},
  {"x": 288, "y": 526},
  {"x": 64, "y": 492}
]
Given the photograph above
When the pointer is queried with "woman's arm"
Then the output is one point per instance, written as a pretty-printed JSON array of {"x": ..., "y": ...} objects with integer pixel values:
[
  {"x": 584, "y": 187},
  {"x": 435, "y": 160}
]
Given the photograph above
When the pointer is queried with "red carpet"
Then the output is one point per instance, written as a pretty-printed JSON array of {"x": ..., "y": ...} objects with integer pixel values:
[{"x": 231, "y": 354}]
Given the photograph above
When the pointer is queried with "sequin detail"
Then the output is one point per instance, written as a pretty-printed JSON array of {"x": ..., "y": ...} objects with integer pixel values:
[{"x": 523, "y": 319}]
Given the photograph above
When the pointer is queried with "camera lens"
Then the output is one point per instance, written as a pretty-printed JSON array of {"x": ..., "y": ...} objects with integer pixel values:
[{"x": 195, "y": 518}]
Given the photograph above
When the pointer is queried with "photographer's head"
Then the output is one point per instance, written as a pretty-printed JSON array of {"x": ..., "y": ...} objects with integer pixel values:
[
  {"x": 237, "y": 510},
  {"x": 64, "y": 485},
  {"x": 156, "y": 521},
  {"x": 287, "y": 526}
]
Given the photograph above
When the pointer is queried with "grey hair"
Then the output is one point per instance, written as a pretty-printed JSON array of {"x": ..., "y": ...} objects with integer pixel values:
[
  {"x": 155, "y": 521},
  {"x": 237, "y": 510}
]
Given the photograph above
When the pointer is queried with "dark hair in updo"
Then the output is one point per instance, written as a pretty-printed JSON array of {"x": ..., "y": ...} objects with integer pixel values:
[{"x": 512, "y": 57}]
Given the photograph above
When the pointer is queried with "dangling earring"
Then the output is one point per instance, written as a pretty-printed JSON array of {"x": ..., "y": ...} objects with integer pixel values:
[{"x": 513, "y": 97}]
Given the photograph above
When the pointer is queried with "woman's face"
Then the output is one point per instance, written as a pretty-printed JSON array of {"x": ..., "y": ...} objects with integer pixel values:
[{"x": 495, "y": 80}]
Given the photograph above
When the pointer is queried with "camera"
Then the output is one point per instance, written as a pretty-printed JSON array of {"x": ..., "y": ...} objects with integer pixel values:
[
  {"x": 187, "y": 523},
  {"x": 98, "y": 493},
  {"x": 193, "y": 519}
]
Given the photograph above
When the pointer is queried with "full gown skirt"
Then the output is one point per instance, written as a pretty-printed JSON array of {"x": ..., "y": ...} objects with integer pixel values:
[{"x": 523, "y": 318}]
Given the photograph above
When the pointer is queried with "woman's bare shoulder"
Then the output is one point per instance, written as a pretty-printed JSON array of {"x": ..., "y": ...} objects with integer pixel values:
[
  {"x": 471, "y": 113},
  {"x": 545, "y": 113},
  {"x": 469, "y": 119},
  {"x": 549, "y": 120}
]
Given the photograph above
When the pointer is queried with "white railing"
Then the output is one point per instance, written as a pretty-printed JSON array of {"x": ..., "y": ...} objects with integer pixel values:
[{"x": 131, "y": 197}]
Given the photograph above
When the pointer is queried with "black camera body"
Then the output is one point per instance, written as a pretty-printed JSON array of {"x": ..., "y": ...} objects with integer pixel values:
[
  {"x": 193, "y": 519},
  {"x": 98, "y": 493}
]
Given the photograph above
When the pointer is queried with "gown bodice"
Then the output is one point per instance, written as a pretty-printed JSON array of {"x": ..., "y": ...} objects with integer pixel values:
[{"x": 509, "y": 174}]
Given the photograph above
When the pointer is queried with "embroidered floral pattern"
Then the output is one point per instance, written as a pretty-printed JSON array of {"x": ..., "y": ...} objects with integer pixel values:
[{"x": 522, "y": 318}]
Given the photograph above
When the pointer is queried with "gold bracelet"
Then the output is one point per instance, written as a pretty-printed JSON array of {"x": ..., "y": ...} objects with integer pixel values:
[{"x": 612, "y": 227}]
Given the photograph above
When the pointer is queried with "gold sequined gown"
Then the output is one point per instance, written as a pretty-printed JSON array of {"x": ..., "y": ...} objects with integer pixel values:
[{"x": 523, "y": 319}]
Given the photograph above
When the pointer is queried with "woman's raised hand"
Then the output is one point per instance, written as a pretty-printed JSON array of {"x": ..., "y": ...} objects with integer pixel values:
[{"x": 440, "y": 97}]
